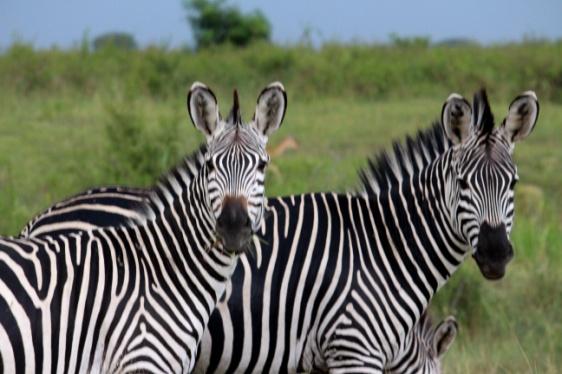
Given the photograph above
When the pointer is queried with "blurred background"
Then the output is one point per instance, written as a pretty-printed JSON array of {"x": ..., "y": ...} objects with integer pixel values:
[{"x": 93, "y": 93}]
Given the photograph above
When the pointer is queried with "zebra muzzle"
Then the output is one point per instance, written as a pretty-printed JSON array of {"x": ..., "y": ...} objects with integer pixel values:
[
  {"x": 494, "y": 251},
  {"x": 234, "y": 227}
]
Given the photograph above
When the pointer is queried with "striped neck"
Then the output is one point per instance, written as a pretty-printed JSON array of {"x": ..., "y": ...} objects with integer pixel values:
[
  {"x": 189, "y": 217},
  {"x": 414, "y": 245},
  {"x": 192, "y": 266}
]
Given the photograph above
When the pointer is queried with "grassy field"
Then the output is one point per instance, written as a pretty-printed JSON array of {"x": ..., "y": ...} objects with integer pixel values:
[{"x": 57, "y": 139}]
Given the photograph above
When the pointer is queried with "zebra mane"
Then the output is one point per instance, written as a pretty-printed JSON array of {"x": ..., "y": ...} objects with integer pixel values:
[
  {"x": 173, "y": 184},
  {"x": 406, "y": 158}
]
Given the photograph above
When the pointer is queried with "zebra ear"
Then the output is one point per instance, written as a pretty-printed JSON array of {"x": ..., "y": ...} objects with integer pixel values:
[
  {"x": 204, "y": 110},
  {"x": 456, "y": 118},
  {"x": 271, "y": 108},
  {"x": 521, "y": 117},
  {"x": 445, "y": 334}
]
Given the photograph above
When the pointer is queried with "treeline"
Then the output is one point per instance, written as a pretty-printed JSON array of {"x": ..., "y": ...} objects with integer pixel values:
[{"x": 370, "y": 71}]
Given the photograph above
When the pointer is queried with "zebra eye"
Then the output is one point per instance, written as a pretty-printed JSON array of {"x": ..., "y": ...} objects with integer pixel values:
[
  {"x": 262, "y": 164},
  {"x": 210, "y": 165},
  {"x": 513, "y": 183},
  {"x": 462, "y": 184}
]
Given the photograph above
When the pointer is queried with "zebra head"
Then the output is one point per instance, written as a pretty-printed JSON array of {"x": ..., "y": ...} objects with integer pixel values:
[
  {"x": 425, "y": 346},
  {"x": 483, "y": 174},
  {"x": 236, "y": 159}
]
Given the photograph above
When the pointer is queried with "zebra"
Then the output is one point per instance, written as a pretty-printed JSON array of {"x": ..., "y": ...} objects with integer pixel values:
[
  {"x": 424, "y": 346},
  {"x": 338, "y": 280},
  {"x": 137, "y": 297}
]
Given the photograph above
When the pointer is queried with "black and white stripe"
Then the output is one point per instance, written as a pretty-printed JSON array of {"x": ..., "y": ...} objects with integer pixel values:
[
  {"x": 114, "y": 206},
  {"x": 339, "y": 281},
  {"x": 136, "y": 298}
]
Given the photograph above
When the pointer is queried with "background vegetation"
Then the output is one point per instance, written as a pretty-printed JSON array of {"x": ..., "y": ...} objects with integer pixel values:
[
  {"x": 119, "y": 40},
  {"x": 214, "y": 22},
  {"x": 80, "y": 118}
]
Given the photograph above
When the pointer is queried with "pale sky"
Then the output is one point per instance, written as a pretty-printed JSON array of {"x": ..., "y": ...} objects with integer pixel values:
[{"x": 65, "y": 22}]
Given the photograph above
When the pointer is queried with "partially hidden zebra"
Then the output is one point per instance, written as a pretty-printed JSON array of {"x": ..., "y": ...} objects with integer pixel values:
[
  {"x": 424, "y": 346},
  {"x": 338, "y": 281},
  {"x": 136, "y": 298}
]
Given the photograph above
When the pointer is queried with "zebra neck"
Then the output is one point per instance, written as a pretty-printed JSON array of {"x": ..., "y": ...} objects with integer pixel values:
[
  {"x": 413, "y": 233},
  {"x": 438, "y": 197},
  {"x": 182, "y": 238},
  {"x": 413, "y": 248},
  {"x": 190, "y": 217}
]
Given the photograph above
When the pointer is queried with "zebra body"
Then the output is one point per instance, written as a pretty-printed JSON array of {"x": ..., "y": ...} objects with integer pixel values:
[
  {"x": 327, "y": 294},
  {"x": 138, "y": 297},
  {"x": 338, "y": 281},
  {"x": 111, "y": 300}
]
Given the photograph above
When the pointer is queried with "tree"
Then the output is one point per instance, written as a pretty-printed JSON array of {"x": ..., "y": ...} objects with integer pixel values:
[
  {"x": 118, "y": 40},
  {"x": 214, "y": 22},
  {"x": 409, "y": 42}
]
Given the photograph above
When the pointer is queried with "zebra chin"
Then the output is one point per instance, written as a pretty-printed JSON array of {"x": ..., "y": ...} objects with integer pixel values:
[
  {"x": 494, "y": 251},
  {"x": 236, "y": 244}
]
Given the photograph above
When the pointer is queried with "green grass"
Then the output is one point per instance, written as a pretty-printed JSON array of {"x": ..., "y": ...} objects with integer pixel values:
[{"x": 61, "y": 136}]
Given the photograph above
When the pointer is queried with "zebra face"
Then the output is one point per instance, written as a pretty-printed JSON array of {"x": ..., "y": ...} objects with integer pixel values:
[
  {"x": 236, "y": 160},
  {"x": 483, "y": 174}
]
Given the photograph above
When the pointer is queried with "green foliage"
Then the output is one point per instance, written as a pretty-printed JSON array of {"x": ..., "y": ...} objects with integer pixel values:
[
  {"x": 137, "y": 151},
  {"x": 119, "y": 40},
  {"x": 362, "y": 71},
  {"x": 215, "y": 23},
  {"x": 409, "y": 42}
]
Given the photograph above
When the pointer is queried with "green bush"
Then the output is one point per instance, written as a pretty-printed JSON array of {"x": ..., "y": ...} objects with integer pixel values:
[
  {"x": 363, "y": 71},
  {"x": 119, "y": 40},
  {"x": 137, "y": 150}
]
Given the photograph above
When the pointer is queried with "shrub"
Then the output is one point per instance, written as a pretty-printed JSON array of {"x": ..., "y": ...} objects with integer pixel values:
[{"x": 119, "y": 40}]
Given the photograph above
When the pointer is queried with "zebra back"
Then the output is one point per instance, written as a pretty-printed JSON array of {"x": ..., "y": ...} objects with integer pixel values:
[{"x": 98, "y": 207}]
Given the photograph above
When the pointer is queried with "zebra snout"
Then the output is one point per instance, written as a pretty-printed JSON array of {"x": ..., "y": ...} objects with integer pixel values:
[
  {"x": 494, "y": 251},
  {"x": 234, "y": 226}
]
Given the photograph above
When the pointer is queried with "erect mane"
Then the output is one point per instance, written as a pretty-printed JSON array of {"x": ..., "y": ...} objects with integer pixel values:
[
  {"x": 173, "y": 184},
  {"x": 406, "y": 158}
]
